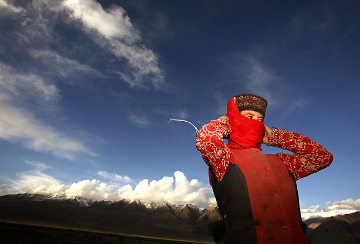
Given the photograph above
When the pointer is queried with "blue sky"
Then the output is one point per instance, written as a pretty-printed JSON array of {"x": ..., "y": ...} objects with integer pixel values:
[{"x": 87, "y": 89}]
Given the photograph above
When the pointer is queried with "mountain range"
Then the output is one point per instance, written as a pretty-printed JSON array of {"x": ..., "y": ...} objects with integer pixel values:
[
  {"x": 340, "y": 229},
  {"x": 184, "y": 222}
]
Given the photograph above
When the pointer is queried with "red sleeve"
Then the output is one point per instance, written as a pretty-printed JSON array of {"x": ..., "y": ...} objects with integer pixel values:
[
  {"x": 309, "y": 157},
  {"x": 214, "y": 151}
]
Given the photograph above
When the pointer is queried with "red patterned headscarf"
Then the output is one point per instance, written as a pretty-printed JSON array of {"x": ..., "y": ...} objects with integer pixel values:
[{"x": 246, "y": 132}]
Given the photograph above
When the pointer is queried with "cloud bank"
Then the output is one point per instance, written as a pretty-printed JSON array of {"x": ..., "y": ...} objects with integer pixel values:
[
  {"x": 335, "y": 208},
  {"x": 174, "y": 190}
]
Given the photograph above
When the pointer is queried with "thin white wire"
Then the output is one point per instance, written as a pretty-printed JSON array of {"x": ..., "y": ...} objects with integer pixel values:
[{"x": 182, "y": 120}]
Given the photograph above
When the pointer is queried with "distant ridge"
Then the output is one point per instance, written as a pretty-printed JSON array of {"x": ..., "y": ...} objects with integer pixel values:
[
  {"x": 183, "y": 222},
  {"x": 342, "y": 229},
  {"x": 124, "y": 216}
]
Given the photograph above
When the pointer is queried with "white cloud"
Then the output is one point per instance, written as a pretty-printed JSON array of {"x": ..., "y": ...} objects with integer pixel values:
[
  {"x": 112, "y": 23},
  {"x": 119, "y": 38},
  {"x": 59, "y": 66},
  {"x": 93, "y": 189},
  {"x": 348, "y": 204},
  {"x": 17, "y": 125},
  {"x": 5, "y": 5},
  {"x": 175, "y": 191},
  {"x": 114, "y": 177},
  {"x": 258, "y": 78},
  {"x": 56, "y": 189},
  {"x": 143, "y": 64},
  {"x": 4, "y": 190},
  {"x": 27, "y": 180},
  {"x": 141, "y": 122},
  {"x": 38, "y": 165},
  {"x": 254, "y": 76},
  {"x": 26, "y": 85},
  {"x": 336, "y": 208},
  {"x": 164, "y": 190},
  {"x": 179, "y": 114}
]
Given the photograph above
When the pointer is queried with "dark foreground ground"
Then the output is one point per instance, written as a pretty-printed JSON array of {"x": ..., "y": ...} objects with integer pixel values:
[{"x": 14, "y": 233}]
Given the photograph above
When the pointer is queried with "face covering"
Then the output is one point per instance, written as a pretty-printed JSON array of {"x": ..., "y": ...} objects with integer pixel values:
[{"x": 245, "y": 132}]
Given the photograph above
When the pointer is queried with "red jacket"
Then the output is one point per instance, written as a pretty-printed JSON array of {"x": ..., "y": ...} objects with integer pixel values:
[{"x": 271, "y": 189}]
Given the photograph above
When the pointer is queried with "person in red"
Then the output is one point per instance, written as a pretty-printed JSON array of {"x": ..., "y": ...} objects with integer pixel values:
[{"x": 256, "y": 193}]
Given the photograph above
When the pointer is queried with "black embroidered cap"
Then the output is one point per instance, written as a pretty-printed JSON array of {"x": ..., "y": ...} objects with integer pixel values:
[{"x": 251, "y": 102}]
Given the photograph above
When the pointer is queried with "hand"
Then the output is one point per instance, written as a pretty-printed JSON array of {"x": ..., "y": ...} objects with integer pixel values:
[{"x": 266, "y": 135}]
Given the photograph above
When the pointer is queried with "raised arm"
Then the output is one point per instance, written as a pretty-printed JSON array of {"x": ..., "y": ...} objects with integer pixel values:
[
  {"x": 214, "y": 151},
  {"x": 309, "y": 157}
]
